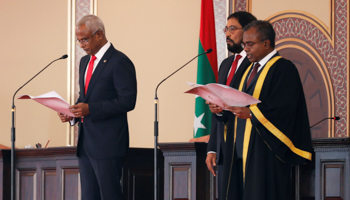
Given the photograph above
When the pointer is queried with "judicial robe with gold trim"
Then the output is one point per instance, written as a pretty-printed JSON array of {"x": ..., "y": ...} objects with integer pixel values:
[{"x": 279, "y": 136}]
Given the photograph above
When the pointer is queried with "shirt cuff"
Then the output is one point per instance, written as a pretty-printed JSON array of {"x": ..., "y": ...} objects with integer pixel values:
[
  {"x": 72, "y": 122},
  {"x": 219, "y": 114}
]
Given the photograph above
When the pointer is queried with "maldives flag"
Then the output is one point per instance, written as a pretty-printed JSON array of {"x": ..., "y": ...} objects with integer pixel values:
[{"x": 207, "y": 70}]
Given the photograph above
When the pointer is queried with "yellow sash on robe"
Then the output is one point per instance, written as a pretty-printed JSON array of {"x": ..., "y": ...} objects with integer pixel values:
[{"x": 265, "y": 122}]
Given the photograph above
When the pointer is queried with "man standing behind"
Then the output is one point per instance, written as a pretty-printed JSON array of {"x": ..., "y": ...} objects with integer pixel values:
[
  {"x": 230, "y": 73},
  {"x": 108, "y": 90},
  {"x": 269, "y": 137}
]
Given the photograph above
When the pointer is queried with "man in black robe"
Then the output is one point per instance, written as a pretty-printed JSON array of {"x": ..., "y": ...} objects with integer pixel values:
[{"x": 264, "y": 140}]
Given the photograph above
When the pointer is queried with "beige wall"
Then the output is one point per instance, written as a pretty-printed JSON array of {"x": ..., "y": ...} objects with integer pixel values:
[
  {"x": 320, "y": 9},
  {"x": 159, "y": 36},
  {"x": 33, "y": 33}
]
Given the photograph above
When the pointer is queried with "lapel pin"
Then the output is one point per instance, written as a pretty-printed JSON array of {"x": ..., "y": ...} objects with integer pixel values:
[{"x": 105, "y": 61}]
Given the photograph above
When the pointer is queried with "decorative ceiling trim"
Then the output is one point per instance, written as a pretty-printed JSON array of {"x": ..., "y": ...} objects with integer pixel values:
[
  {"x": 297, "y": 14},
  {"x": 241, "y": 5},
  {"x": 348, "y": 70}
]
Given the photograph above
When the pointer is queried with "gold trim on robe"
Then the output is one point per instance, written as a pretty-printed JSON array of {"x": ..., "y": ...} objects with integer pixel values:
[{"x": 266, "y": 123}]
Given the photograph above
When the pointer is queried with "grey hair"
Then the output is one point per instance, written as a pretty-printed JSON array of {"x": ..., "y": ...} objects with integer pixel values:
[{"x": 92, "y": 22}]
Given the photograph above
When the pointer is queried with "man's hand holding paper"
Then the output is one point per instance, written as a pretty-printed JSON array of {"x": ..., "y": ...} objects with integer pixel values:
[
  {"x": 64, "y": 118},
  {"x": 240, "y": 112},
  {"x": 214, "y": 108},
  {"x": 80, "y": 109}
]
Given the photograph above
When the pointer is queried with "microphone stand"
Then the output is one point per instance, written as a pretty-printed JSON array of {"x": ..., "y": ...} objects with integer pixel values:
[
  {"x": 13, "y": 132},
  {"x": 334, "y": 118},
  {"x": 156, "y": 125}
]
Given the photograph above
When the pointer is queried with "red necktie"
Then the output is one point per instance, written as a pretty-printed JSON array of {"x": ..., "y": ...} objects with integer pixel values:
[
  {"x": 233, "y": 69},
  {"x": 89, "y": 72},
  {"x": 253, "y": 73}
]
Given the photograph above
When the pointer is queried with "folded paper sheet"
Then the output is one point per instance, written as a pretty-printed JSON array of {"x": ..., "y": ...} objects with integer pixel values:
[
  {"x": 222, "y": 95},
  {"x": 51, "y": 100}
]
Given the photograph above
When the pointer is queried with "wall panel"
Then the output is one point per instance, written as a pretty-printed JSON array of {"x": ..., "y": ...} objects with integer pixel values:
[{"x": 328, "y": 43}]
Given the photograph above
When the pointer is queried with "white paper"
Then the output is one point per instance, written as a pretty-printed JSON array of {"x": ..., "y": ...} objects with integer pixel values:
[
  {"x": 222, "y": 95},
  {"x": 51, "y": 100}
]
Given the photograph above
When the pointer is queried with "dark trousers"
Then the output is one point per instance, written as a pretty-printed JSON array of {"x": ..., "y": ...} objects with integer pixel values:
[{"x": 100, "y": 178}]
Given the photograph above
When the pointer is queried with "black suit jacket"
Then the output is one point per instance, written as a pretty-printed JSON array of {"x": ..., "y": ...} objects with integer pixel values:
[
  {"x": 216, "y": 141},
  {"x": 110, "y": 95}
]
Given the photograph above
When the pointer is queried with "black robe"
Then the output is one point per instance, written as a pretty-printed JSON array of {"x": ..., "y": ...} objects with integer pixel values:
[{"x": 277, "y": 138}]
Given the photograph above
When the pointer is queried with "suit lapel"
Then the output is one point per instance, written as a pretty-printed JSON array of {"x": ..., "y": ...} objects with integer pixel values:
[
  {"x": 99, "y": 68},
  {"x": 225, "y": 69},
  {"x": 239, "y": 73},
  {"x": 83, "y": 67}
]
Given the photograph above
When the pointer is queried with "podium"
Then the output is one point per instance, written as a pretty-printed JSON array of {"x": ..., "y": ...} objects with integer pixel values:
[
  {"x": 53, "y": 173},
  {"x": 332, "y": 173},
  {"x": 326, "y": 177},
  {"x": 185, "y": 173}
]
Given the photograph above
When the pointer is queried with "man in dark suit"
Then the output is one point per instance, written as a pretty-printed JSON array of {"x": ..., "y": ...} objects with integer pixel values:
[
  {"x": 230, "y": 73},
  {"x": 108, "y": 90},
  {"x": 267, "y": 138}
]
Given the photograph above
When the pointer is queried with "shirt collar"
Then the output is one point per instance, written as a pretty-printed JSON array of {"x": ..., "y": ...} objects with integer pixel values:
[
  {"x": 242, "y": 53},
  {"x": 263, "y": 61},
  {"x": 102, "y": 51}
]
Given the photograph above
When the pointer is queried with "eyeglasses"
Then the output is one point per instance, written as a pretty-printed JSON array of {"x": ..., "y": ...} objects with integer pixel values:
[
  {"x": 231, "y": 29},
  {"x": 249, "y": 45},
  {"x": 84, "y": 41}
]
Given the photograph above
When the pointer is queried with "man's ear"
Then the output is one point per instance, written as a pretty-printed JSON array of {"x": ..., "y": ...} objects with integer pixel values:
[
  {"x": 99, "y": 34},
  {"x": 267, "y": 44}
]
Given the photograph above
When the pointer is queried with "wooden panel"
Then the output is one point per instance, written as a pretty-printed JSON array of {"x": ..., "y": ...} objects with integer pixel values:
[
  {"x": 138, "y": 175},
  {"x": 181, "y": 181},
  {"x": 137, "y": 189},
  {"x": 5, "y": 175},
  {"x": 71, "y": 184},
  {"x": 185, "y": 173},
  {"x": 26, "y": 184},
  {"x": 49, "y": 183},
  {"x": 305, "y": 181},
  {"x": 332, "y": 168},
  {"x": 53, "y": 173},
  {"x": 333, "y": 180},
  {"x": 67, "y": 179},
  {"x": 2, "y": 176}
]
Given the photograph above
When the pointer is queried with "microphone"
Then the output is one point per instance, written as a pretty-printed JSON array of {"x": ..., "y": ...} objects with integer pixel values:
[
  {"x": 63, "y": 57},
  {"x": 334, "y": 118},
  {"x": 206, "y": 52},
  {"x": 13, "y": 132},
  {"x": 156, "y": 124}
]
